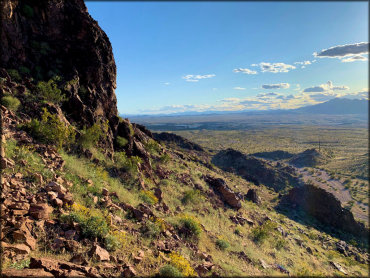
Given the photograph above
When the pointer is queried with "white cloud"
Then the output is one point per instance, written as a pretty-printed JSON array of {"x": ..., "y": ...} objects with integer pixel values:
[
  {"x": 325, "y": 88},
  {"x": 303, "y": 63},
  {"x": 298, "y": 87},
  {"x": 166, "y": 83},
  {"x": 354, "y": 58},
  {"x": 245, "y": 71},
  {"x": 341, "y": 51},
  {"x": 274, "y": 67},
  {"x": 239, "y": 88},
  {"x": 196, "y": 78},
  {"x": 266, "y": 95},
  {"x": 276, "y": 86}
]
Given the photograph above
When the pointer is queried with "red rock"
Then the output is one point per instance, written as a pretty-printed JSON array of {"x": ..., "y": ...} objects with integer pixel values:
[
  {"x": 79, "y": 259},
  {"x": 39, "y": 178},
  {"x": 70, "y": 234},
  {"x": 25, "y": 238},
  {"x": 99, "y": 253},
  {"x": 46, "y": 264},
  {"x": 6, "y": 163},
  {"x": 21, "y": 249},
  {"x": 40, "y": 211},
  {"x": 19, "y": 212},
  {"x": 129, "y": 271},
  {"x": 54, "y": 186},
  {"x": 58, "y": 202},
  {"x": 24, "y": 273}
]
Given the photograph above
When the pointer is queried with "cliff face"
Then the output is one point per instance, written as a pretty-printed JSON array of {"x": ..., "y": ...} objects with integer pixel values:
[
  {"x": 53, "y": 37},
  {"x": 326, "y": 208}
]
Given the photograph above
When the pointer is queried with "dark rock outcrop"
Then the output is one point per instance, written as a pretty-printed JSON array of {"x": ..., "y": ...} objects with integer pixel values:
[
  {"x": 308, "y": 158},
  {"x": 227, "y": 195},
  {"x": 177, "y": 140},
  {"x": 253, "y": 196},
  {"x": 255, "y": 170},
  {"x": 50, "y": 37},
  {"x": 326, "y": 208}
]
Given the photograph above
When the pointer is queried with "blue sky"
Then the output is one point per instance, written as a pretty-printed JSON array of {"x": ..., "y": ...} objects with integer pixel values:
[{"x": 201, "y": 56}]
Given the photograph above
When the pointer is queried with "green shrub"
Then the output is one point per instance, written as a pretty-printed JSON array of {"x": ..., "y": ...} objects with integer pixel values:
[
  {"x": 165, "y": 158},
  {"x": 121, "y": 141},
  {"x": 222, "y": 244},
  {"x": 27, "y": 11},
  {"x": 91, "y": 136},
  {"x": 51, "y": 130},
  {"x": 169, "y": 271},
  {"x": 261, "y": 233},
  {"x": 148, "y": 197},
  {"x": 190, "y": 227},
  {"x": 10, "y": 102},
  {"x": 24, "y": 70},
  {"x": 49, "y": 91},
  {"x": 190, "y": 196},
  {"x": 151, "y": 229},
  {"x": 111, "y": 243},
  {"x": 14, "y": 75},
  {"x": 280, "y": 243},
  {"x": 152, "y": 146},
  {"x": 238, "y": 232},
  {"x": 130, "y": 164}
]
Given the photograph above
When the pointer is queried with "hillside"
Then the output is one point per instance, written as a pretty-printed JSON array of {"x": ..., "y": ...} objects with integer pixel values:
[
  {"x": 338, "y": 106},
  {"x": 86, "y": 193}
]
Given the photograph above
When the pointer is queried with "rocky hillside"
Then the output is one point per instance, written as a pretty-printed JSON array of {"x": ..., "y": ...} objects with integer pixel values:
[
  {"x": 258, "y": 171},
  {"x": 85, "y": 193}
]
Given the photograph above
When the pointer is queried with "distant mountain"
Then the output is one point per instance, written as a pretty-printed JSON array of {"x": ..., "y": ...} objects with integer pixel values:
[{"x": 337, "y": 106}]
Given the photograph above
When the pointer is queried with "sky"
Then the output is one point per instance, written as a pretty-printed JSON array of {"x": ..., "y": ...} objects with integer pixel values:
[{"x": 227, "y": 56}]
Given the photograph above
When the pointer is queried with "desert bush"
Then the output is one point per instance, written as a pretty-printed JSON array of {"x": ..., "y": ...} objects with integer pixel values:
[
  {"x": 130, "y": 164},
  {"x": 151, "y": 229},
  {"x": 14, "y": 75},
  {"x": 182, "y": 264},
  {"x": 238, "y": 232},
  {"x": 280, "y": 243},
  {"x": 165, "y": 158},
  {"x": 169, "y": 271},
  {"x": 190, "y": 196},
  {"x": 261, "y": 233},
  {"x": 190, "y": 227},
  {"x": 10, "y": 102},
  {"x": 148, "y": 197},
  {"x": 115, "y": 240},
  {"x": 91, "y": 136},
  {"x": 222, "y": 244},
  {"x": 51, "y": 130},
  {"x": 121, "y": 141},
  {"x": 24, "y": 70},
  {"x": 152, "y": 146},
  {"x": 49, "y": 91}
]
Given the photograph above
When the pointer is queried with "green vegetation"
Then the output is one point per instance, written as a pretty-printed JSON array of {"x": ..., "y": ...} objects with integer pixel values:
[
  {"x": 169, "y": 271},
  {"x": 190, "y": 227},
  {"x": 51, "y": 130},
  {"x": 49, "y": 91},
  {"x": 121, "y": 141},
  {"x": 130, "y": 164},
  {"x": 24, "y": 70},
  {"x": 261, "y": 233},
  {"x": 10, "y": 102},
  {"x": 222, "y": 244},
  {"x": 14, "y": 75},
  {"x": 191, "y": 196},
  {"x": 90, "y": 137},
  {"x": 148, "y": 197}
]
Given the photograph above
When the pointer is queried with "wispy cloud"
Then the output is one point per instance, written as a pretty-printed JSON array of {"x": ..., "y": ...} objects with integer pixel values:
[
  {"x": 325, "y": 87},
  {"x": 276, "y": 86},
  {"x": 166, "y": 83},
  {"x": 354, "y": 58},
  {"x": 196, "y": 78},
  {"x": 239, "y": 88},
  {"x": 347, "y": 53},
  {"x": 264, "y": 95},
  {"x": 274, "y": 67},
  {"x": 303, "y": 63},
  {"x": 245, "y": 71}
]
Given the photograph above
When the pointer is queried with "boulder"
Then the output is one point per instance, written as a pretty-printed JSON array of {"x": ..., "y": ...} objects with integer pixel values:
[
  {"x": 40, "y": 211},
  {"x": 24, "y": 273},
  {"x": 99, "y": 254},
  {"x": 253, "y": 196},
  {"x": 227, "y": 195}
]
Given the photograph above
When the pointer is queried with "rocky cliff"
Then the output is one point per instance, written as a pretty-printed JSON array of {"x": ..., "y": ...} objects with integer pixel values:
[
  {"x": 45, "y": 38},
  {"x": 325, "y": 208}
]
